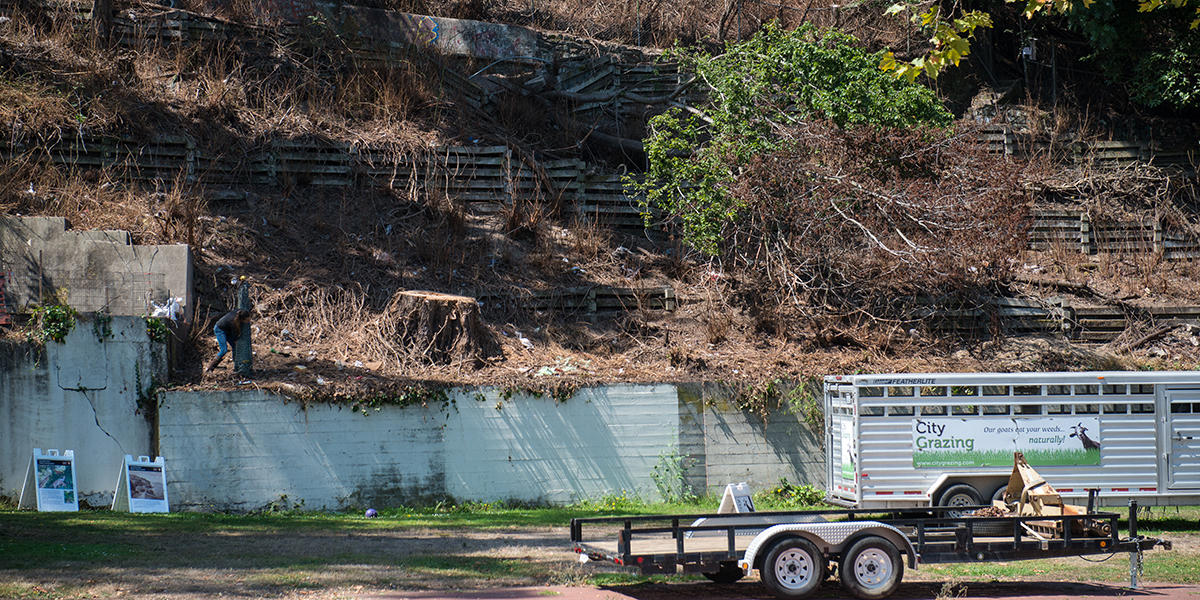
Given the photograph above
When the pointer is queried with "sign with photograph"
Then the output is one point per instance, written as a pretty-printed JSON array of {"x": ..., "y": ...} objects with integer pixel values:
[
  {"x": 142, "y": 486},
  {"x": 50, "y": 482},
  {"x": 990, "y": 442}
]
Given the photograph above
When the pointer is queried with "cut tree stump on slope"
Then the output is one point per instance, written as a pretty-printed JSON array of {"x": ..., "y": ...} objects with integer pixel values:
[{"x": 442, "y": 328}]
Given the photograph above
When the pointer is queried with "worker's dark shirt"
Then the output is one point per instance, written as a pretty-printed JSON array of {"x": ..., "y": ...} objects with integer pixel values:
[{"x": 229, "y": 325}]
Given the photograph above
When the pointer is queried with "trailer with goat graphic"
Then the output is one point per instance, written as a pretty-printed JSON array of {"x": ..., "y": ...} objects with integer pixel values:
[{"x": 947, "y": 439}]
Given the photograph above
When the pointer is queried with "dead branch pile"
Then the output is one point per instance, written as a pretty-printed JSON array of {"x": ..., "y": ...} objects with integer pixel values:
[
  {"x": 868, "y": 224},
  {"x": 1132, "y": 192}
]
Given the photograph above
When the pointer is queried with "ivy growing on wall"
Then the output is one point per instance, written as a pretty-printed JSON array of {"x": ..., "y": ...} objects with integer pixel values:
[
  {"x": 52, "y": 322},
  {"x": 157, "y": 330}
]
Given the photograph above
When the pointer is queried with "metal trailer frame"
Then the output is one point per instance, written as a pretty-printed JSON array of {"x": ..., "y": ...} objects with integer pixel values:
[
  {"x": 669, "y": 544},
  {"x": 1149, "y": 434}
]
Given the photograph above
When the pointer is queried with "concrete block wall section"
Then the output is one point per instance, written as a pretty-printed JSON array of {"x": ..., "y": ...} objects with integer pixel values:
[
  {"x": 742, "y": 447},
  {"x": 602, "y": 440},
  {"x": 98, "y": 270},
  {"x": 80, "y": 395},
  {"x": 245, "y": 450},
  {"x": 721, "y": 444}
]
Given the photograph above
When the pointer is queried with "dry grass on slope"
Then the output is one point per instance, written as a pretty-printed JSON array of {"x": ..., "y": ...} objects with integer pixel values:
[{"x": 56, "y": 80}]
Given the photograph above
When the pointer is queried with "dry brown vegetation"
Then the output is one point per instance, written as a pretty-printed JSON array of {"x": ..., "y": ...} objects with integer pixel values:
[
  {"x": 876, "y": 229},
  {"x": 654, "y": 23},
  {"x": 326, "y": 263}
]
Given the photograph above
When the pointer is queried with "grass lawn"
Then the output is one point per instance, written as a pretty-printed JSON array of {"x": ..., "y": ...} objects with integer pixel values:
[{"x": 95, "y": 553}]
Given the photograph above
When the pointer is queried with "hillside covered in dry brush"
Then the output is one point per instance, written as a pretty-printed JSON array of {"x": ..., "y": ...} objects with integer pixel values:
[{"x": 850, "y": 245}]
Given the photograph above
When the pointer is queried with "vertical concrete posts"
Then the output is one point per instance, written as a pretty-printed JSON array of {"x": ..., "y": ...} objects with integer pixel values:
[{"x": 243, "y": 360}]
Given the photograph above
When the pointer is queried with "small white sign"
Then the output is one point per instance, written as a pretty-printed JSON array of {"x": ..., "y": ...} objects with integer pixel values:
[
  {"x": 50, "y": 482},
  {"x": 142, "y": 486},
  {"x": 736, "y": 499}
]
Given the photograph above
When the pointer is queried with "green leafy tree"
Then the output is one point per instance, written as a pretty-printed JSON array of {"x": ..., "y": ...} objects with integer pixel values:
[
  {"x": 950, "y": 32},
  {"x": 1154, "y": 55},
  {"x": 759, "y": 91}
]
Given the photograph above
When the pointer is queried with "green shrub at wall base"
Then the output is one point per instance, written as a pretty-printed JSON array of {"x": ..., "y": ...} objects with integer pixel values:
[
  {"x": 156, "y": 330},
  {"x": 52, "y": 322}
]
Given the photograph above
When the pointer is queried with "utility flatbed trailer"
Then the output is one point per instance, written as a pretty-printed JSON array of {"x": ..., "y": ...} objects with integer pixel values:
[{"x": 795, "y": 551}]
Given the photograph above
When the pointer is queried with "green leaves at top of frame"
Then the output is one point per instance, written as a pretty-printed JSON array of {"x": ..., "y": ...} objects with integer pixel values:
[{"x": 778, "y": 77}]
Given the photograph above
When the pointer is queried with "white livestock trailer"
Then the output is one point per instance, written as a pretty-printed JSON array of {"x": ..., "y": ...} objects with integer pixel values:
[{"x": 947, "y": 439}]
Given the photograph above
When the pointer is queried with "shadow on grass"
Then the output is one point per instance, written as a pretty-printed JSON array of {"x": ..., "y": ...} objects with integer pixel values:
[{"x": 923, "y": 590}]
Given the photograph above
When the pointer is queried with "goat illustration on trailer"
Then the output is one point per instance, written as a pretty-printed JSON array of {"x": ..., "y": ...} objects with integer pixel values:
[{"x": 1080, "y": 432}]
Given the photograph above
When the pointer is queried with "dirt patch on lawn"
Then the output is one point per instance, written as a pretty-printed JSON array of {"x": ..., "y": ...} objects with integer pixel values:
[
  {"x": 326, "y": 565},
  {"x": 317, "y": 565}
]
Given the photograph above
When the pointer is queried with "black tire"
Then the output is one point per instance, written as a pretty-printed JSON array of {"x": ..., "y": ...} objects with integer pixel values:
[
  {"x": 872, "y": 568},
  {"x": 729, "y": 573},
  {"x": 962, "y": 494},
  {"x": 996, "y": 529},
  {"x": 999, "y": 493},
  {"x": 794, "y": 568}
]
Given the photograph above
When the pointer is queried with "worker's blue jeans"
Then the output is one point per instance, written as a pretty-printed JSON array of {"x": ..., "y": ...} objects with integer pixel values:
[{"x": 222, "y": 341}]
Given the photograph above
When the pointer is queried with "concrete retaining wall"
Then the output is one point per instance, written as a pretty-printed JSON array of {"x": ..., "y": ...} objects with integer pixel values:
[
  {"x": 80, "y": 395},
  {"x": 245, "y": 450},
  {"x": 97, "y": 270}
]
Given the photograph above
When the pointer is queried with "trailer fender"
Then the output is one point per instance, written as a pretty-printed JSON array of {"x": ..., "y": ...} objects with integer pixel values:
[{"x": 830, "y": 538}]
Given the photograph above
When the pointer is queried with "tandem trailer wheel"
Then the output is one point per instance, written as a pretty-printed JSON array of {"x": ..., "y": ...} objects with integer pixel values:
[
  {"x": 794, "y": 568},
  {"x": 872, "y": 568},
  {"x": 961, "y": 494}
]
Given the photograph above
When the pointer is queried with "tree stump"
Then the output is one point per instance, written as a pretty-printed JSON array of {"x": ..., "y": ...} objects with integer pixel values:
[{"x": 442, "y": 328}]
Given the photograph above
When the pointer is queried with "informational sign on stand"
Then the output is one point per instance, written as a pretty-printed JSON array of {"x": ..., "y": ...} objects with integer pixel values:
[
  {"x": 736, "y": 499},
  {"x": 50, "y": 482},
  {"x": 142, "y": 486}
]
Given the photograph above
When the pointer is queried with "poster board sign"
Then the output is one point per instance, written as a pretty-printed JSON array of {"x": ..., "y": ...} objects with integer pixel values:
[
  {"x": 736, "y": 499},
  {"x": 50, "y": 482},
  {"x": 142, "y": 486},
  {"x": 990, "y": 442}
]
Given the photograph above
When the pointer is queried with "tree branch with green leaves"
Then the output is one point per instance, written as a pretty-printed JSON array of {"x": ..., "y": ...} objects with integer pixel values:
[{"x": 950, "y": 34}]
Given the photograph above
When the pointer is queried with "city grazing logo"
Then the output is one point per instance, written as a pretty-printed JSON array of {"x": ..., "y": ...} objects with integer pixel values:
[{"x": 990, "y": 442}]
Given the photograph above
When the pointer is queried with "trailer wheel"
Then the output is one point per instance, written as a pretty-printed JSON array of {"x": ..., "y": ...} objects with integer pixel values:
[
  {"x": 794, "y": 568},
  {"x": 728, "y": 573},
  {"x": 962, "y": 494},
  {"x": 999, "y": 493},
  {"x": 871, "y": 568}
]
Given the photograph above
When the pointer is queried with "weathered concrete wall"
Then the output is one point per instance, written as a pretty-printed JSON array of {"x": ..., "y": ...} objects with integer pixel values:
[
  {"x": 79, "y": 395},
  {"x": 97, "y": 269},
  {"x": 742, "y": 447},
  {"x": 721, "y": 444},
  {"x": 601, "y": 440},
  {"x": 244, "y": 450}
]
